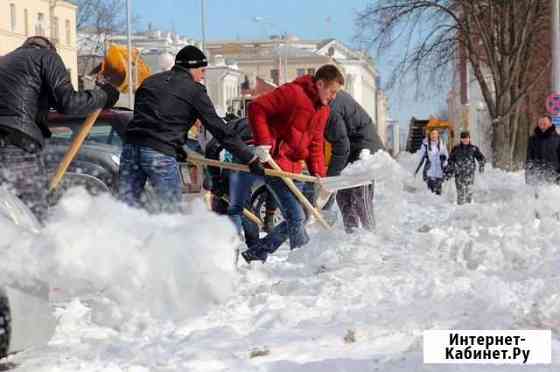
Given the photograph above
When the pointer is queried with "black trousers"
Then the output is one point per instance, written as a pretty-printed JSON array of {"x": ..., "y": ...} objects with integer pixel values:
[
  {"x": 356, "y": 205},
  {"x": 464, "y": 185},
  {"x": 434, "y": 184},
  {"x": 25, "y": 175}
]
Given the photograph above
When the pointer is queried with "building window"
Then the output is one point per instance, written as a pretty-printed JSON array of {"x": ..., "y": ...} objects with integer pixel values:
[
  {"x": 275, "y": 76},
  {"x": 311, "y": 71},
  {"x": 26, "y": 21},
  {"x": 13, "y": 17},
  {"x": 300, "y": 72},
  {"x": 40, "y": 25},
  {"x": 54, "y": 32},
  {"x": 68, "y": 33}
]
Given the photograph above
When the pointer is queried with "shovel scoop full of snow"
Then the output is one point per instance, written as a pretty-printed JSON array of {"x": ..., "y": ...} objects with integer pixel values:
[
  {"x": 332, "y": 184},
  {"x": 329, "y": 184}
]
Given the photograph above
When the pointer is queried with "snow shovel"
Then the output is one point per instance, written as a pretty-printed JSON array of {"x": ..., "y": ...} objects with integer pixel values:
[
  {"x": 299, "y": 195},
  {"x": 247, "y": 213},
  {"x": 330, "y": 184},
  {"x": 73, "y": 149}
]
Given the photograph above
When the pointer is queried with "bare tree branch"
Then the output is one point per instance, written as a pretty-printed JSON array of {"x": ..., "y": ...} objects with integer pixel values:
[{"x": 499, "y": 39}]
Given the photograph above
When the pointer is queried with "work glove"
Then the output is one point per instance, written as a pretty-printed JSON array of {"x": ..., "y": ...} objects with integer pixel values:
[
  {"x": 181, "y": 154},
  {"x": 263, "y": 153},
  {"x": 256, "y": 168},
  {"x": 111, "y": 92}
]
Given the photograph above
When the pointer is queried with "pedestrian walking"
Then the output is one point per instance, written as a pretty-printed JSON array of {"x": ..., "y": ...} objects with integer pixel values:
[
  {"x": 433, "y": 156},
  {"x": 462, "y": 165}
]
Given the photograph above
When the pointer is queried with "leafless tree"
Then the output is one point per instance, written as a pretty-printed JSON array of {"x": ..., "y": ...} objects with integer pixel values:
[
  {"x": 97, "y": 21},
  {"x": 502, "y": 40}
]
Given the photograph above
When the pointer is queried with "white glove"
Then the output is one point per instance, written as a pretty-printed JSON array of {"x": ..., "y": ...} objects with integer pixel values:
[{"x": 263, "y": 153}]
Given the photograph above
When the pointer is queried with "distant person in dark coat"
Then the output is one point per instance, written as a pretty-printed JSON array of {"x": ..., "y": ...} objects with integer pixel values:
[
  {"x": 462, "y": 165},
  {"x": 543, "y": 154}
]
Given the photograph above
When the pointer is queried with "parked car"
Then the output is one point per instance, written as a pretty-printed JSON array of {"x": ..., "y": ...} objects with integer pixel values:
[
  {"x": 97, "y": 163},
  {"x": 96, "y": 166}
]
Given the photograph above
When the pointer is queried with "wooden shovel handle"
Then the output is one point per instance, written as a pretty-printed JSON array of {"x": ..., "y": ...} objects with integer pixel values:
[
  {"x": 73, "y": 149},
  {"x": 247, "y": 213},
  {"x": 299, "y": 195},
  {"x": 244, "y": 168}
]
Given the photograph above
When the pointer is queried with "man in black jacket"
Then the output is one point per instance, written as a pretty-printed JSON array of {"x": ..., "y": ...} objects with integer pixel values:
[
  {"x": 167, "y": 105},
  {"x": 462, "y": 165},
  {"x": 349, "y": 131},
  {"x": 33, "y": 79},
  {"x": 543, "y": 154}
]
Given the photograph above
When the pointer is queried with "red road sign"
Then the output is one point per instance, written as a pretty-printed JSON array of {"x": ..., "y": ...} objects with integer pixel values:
[{"x": 553, "y": 103}]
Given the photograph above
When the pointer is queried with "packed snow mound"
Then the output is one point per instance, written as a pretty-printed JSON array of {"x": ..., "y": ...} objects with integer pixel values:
[
  {"x": 342, "y": 302},
  {"x": 380, "y": 165},
  {"x": 170, "y": 266}
]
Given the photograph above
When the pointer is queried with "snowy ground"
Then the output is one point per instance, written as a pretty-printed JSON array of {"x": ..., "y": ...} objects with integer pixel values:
[{"x": 139, "y": 293}]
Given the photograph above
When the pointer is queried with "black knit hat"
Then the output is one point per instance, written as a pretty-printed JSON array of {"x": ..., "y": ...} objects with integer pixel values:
[
  {"x": 191, "y": 57},
  {"x": 465, "y": 134}
]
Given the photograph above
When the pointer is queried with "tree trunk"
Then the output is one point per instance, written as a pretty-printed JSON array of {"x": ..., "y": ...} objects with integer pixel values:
[
  {"x": 514, "y": 125},
  {"x": 501, "y": 145},
  {"x": 520, "y": 154}
]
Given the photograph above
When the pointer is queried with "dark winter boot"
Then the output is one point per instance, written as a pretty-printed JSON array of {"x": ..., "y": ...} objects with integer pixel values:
[
  {"x": 5, "y": 324},
  {"x": 252, "y": 255}
]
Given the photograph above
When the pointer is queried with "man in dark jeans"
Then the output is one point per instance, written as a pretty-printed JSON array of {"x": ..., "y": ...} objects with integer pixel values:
[
  {"x": 33, "y": 79},
  {"x": 288, "y": 125},
  {"x": 349, "y": 131},
  {"x": 166, "y": 107}
]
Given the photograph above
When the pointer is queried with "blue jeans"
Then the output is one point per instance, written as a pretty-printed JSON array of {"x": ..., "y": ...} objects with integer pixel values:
[
  {"x": 240, "y": 187},
  {"x": 292, "y": 227},
  {"x": 139, "y": 164}
]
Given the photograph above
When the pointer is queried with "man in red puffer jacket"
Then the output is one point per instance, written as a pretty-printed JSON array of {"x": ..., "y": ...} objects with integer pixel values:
[{"x": 288, "y": 126}]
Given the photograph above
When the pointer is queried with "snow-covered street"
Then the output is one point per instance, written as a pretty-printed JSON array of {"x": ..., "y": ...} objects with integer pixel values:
[{"x": 138, "y": 293}]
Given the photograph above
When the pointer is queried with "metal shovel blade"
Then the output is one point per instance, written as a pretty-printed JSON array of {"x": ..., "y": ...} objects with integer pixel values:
[{"x": 332, "y": 184}]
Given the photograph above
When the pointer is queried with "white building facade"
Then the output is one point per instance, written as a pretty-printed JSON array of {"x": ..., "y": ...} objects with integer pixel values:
[
  {"x": 157, "y": 50},
  {"x": 282, "y": 59}
]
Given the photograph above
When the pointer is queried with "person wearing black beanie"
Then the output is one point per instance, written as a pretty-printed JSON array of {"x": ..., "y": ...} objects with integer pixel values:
[
  {"x": 191, "y": 57},
  {"x": 166, "y": 106},
  {"x": 462, "y": 166}
]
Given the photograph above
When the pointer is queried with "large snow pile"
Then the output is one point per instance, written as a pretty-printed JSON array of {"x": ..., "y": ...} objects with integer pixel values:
[
  {"x": 342, "y": 303},
  {"x": 170, "y": 266}
]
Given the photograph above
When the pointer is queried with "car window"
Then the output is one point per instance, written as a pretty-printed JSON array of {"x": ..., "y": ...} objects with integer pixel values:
[
  {"x": 61, "y": 132},
  {"x": 104, "y": 133}
]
